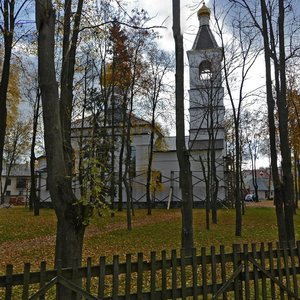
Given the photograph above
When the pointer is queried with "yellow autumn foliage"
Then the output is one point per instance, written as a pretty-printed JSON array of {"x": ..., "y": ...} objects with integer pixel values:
[
  {"x": 156, "y": 181},
  {"x": 13, "y": 96},
  {"x": 13, "y": 93},
  {"x": 120, "y": 77},
  {"x": 293, "y": 99}
]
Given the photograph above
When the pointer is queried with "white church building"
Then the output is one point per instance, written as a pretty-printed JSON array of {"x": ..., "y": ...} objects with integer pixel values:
[{"x": 206, "y": 134}]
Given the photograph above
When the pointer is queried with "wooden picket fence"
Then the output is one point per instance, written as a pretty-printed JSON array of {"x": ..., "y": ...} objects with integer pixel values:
[{"x": 243, "y": 272}]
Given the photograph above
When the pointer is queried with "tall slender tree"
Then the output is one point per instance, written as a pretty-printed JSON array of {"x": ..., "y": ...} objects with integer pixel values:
[
  {"x": 9, "y": 13},
  {"x": 159, "y": 63},
  {"x": 239, "y": 57},
  {"x": 187, "y": 239}
]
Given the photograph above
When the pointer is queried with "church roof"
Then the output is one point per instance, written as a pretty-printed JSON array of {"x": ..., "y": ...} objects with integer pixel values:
[{"x": 204, "y": 39}]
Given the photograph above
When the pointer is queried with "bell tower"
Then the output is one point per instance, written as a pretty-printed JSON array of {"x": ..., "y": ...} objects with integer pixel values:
[{"x": 206, "y": 92}]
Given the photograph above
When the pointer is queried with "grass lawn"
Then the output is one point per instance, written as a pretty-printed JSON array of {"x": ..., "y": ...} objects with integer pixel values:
[{"x": 25, "y": 238}]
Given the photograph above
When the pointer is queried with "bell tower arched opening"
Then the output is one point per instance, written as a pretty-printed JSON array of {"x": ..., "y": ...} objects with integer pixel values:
[{"x": 205, "y": 72}]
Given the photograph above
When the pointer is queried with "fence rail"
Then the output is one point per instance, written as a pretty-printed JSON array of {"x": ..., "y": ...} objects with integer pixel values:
[{"x": 243, "y": 272}]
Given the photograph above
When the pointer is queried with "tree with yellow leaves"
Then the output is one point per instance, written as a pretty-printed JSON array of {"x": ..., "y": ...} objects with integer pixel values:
[
  {"x": 17, "y": 144},
  {"x": 293, "y": 101},
  {"x": 9, "y": 12},
  {"x": 13, "y": 96}
]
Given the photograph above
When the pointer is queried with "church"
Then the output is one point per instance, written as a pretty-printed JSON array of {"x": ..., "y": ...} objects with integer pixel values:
[{"x": 205, "y": 142}]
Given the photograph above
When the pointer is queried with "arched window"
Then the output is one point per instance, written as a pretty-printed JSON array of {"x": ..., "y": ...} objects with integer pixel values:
[{"x": 205, "y": 70}]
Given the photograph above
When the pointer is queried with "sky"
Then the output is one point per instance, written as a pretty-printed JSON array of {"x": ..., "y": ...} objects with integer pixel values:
[{"x": 161, "y": 11}]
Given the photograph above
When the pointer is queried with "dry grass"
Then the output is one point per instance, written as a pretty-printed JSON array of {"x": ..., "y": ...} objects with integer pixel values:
[{"x": 25, "y": 238}]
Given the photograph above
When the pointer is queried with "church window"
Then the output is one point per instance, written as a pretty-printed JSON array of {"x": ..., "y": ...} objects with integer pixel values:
[{"x": 205, "y": 70}]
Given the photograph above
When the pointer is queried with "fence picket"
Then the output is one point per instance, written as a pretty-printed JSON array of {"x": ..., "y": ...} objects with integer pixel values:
[
  {"x": 140, "y": 276},
  {"x": 204, "y": 272},
  {"x": 255, "y": 273},
  {"x": 223, "y": 268},
  {"x": 286, "y": 267},
  {"x": 75, "y": 277},
  {"x": 246, "y": 270},
  {"x": 279, "y": 270},
  {"x": 26, "y": 276},
  {"x": 115, "y": 289},
  {"x": 42, "y": 277},
  {"x": 195, "y": 273},
  {"x": 128, "y": 277},
  {"x": 153, "y": 275},
  {"x": 236, "y": 263},
  {"x": 213, "y": 270},
  {"x": 163, "y": 275},
  {"x": 293, "y": 263},
  {"x": 101, "y": 281},
  {"x": 271, "y": 263},
  {"x": 88, "y": 274},
  {"x": 263, "y": 264},
  {"x": 174, "y": 273},
  {"x": 183, "y": 274},
  {"x": 8, "y": 282}
]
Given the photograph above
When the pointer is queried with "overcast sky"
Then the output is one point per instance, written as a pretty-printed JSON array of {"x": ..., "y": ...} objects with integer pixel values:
[{"x": 161, "y": 11}]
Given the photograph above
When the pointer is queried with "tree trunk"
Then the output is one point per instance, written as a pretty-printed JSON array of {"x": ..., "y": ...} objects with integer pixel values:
[
  {"x": 296, "y": 191},
  {"x": 67, "y": 77},
  {"x": 215, "y": 188},
  {"x": 187, "y": 240},
  {"x": 112, "y": 154},
  {"x": 8, "y": 34},
  {"x": 213, "y": 169},
  {"x": 70, "y": 214},
  {"x": 149, "y": 169},
  {"x": 113, "y": 139},
  {"x": 207, "y": 190},
  {"x": 298, "y": 181},
  {"x": 288, "y": 184},
  {"x": 121, "y": 156},
  {"x": 272, "y": 128},
  {"x": 34, "y": 201},
  {"x": 68, "y": 251},
  {"x": 127, "y": 172},
  {"x": 238, "y": 204}
]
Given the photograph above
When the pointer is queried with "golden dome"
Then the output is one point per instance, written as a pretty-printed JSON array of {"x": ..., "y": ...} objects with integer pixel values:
[{"x": 203, "y": 11}]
